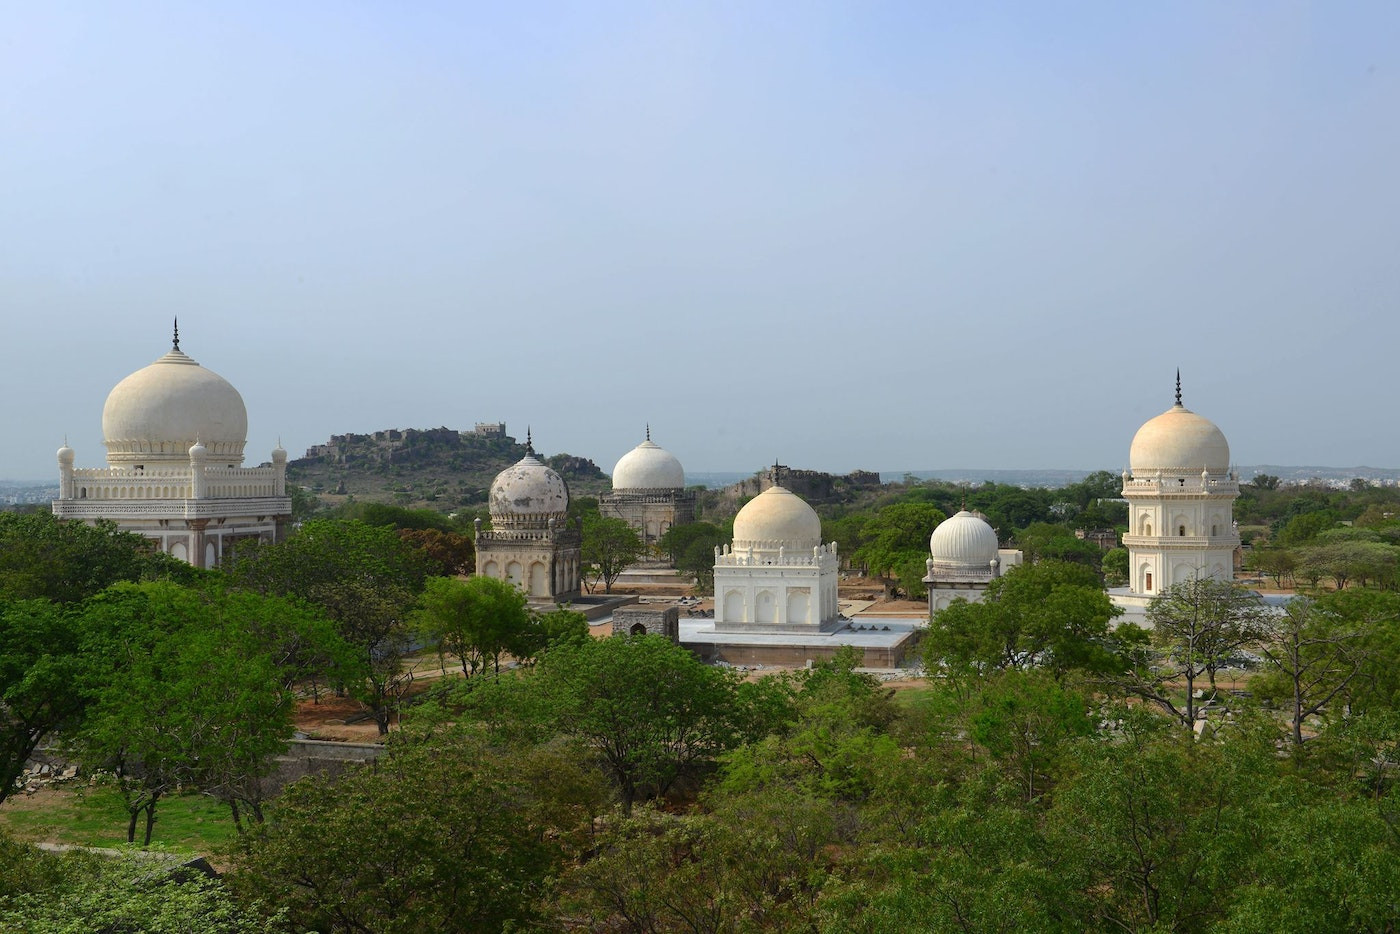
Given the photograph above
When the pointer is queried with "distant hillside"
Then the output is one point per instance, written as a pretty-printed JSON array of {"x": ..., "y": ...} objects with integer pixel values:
[{"x": 438, "y": 468}]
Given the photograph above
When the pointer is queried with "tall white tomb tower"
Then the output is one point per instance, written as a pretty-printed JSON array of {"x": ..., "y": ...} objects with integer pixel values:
[{"x": 1181, "y": 493}]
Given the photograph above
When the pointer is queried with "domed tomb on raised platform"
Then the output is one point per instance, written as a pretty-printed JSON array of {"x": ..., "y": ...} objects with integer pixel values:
[
  {"x": 964, "y": 558},
  {"x": 776, "y": 576},
  {"x": 175, "y": 434},
  {"x": 648, "y": 492},
  {"x": 1181, "y": 493},
  {"x": 531, "y": 543}
]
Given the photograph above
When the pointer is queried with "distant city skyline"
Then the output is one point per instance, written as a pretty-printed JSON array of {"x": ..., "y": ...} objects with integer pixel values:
[{"x": 843, "y": 236}]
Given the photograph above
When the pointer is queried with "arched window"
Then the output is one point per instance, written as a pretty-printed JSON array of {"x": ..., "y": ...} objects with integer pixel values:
[{"x": 1181, "y": 531}]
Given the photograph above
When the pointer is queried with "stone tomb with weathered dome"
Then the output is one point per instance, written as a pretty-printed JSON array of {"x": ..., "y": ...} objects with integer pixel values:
[
  {"x": 964, "y": 558},
  {"x": 648, "y": 492},
  {"x": 777, "y": 575},
  {"x": 530, "y": 543},
  {"x": 1180, "y": 492},
  {"x": 175, "y": 434}
]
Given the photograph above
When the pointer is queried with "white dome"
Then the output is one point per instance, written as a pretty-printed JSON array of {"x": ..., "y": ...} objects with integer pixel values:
[
  {"x": 777, "y": 517},
  {"x": 965, "y": 540},
  {"x": 527, "y": 493},
  {"x": 1179, "y": 441},
  {"x": 648, "y": 467},
  {"x": 160, "y": 411}
]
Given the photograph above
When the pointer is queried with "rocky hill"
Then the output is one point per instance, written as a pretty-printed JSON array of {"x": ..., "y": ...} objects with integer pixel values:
[{"x": 437, "y": 468}]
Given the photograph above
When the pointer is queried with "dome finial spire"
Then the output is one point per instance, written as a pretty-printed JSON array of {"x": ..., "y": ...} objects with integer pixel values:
[
  {"x": 529, "y": 441},
  {"x": 175, "y": 342},
  {"x": 648, "y": 431},
  {"x": 1178, "y": 385}
]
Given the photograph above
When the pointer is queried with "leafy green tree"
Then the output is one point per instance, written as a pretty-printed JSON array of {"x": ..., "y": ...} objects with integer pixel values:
[
  {"x": 1375, "y": 616},
  {"x": 834, "y": 744},
  {"x": 754, "y": 863},
  {"x": 650, "y": 712},
  {"x": 1302, "y": 529},
  {"x": 1025, "y": 720},
  {"x": 1115, "y": 567},
  {"x": 1329, "y": 865},
  {"x": 896, "y": 541},
  {"x": 444, "y": 833},
  {"x": 691, "y": 548},
  {"x": 558, "y": 626},
  {"x": 448, "y": 552},
  {"x": 1052, "y": 614},
  {"x": 1278, "y": 563},
  {"x": 1196, "y": 625},
  {"x": 40, "y": 659},
  {"x": 1153, "y": 832},
  {"x": 610, "y": 546},
  {"x": 1313, "y": 655},
  {"x": 478, "y": 620},
  {"x": 79, "y": 893},
  {"x": 1349, "y": 560},
  {"x": 366, "y": 579},
  {"x": 67, "y": 562},
  {"x": 1044, "y": 541},
  {"x": 182, "y": 691}
]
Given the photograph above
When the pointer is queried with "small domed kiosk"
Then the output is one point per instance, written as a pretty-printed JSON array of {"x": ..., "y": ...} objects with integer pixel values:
[
  {"x": 648, "y": 491},
  {"x": 175, "y": 433},
  {"x": 1180, "y": 492},
  {"x": 776, "y": 576},
  {"x": 531, "y": 543},
  {"x": 964, "y": 557}
]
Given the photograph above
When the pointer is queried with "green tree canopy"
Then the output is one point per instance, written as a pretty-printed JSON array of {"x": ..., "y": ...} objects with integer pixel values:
[
  {"x": 67, "y": 562},
  {"x": 478, "y": 620},
  {"x": 1053, "y": 614},
  {"x": 365, "y": 578},
  {"x": 610, "y": 546}
]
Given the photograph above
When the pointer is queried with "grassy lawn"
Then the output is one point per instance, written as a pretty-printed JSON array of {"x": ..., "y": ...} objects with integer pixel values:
[{"x": 96, "y": 816}]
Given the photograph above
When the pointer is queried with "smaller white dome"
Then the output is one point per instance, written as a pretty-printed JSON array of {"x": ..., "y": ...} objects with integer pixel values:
[
  {"x": 527, "y": 493},
  {"x": 777, "y": 518},
  {"x": 65, "y": 454},
  {"x": 648, "y": 466},
  {"x": 963, "y": 540}
]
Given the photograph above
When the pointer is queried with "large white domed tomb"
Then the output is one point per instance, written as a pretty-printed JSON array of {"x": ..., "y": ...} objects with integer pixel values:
[
  {"x": 648, "y": 491},
  {"x": 776, "y": 576},
  {"x": 175, "y": 433}
]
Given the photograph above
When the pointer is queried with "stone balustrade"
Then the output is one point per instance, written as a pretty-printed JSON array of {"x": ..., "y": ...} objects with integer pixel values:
[
  {"x": 107, "y": 484},
  {"x": 1154, "y": 486}
]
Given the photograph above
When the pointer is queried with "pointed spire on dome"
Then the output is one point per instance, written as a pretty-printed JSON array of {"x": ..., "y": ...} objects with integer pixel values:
[
  {"x": 529, "y": 441},
  {"x": 1178, "y": 385},
  {"x": 175, "y": 342},
  {"x": 648, "y": 431}
]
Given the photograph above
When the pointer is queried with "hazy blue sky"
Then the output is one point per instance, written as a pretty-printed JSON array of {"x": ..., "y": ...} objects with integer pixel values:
[{"x": 880, "y": 235}]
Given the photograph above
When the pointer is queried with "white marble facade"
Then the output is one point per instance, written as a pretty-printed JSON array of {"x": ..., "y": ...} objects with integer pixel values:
[
  {"x": 777, "y": 575},
  {"x": 175, "y": 433},
  {"x": 1181, "y": 493}
]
